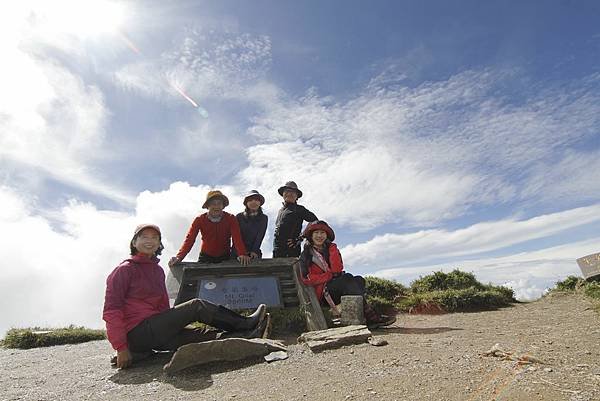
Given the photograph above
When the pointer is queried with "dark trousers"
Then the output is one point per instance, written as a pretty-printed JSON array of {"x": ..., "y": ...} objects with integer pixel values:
[
  {"x": 213, "y": 259},
  {"x": 345, "y": 284},
  {"x": 284, "y": 251},
  {"x": 167, "y": 331}
]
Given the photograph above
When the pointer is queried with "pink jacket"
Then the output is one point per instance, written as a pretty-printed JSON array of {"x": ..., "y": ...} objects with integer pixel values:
[{"x": 135, "y": 291}]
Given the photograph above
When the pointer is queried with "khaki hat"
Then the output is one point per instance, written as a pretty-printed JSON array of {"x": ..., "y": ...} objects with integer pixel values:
[{"x": 215, "y": 194}]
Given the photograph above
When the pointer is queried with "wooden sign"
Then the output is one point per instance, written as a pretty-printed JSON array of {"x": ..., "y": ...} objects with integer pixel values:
[{"x": 590, "y": 265}]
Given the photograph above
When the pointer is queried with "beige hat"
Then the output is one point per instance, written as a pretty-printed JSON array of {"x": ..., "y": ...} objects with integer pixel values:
[
  {"x": 139, "y": 228},
  {"x": 215, "y": 194}
]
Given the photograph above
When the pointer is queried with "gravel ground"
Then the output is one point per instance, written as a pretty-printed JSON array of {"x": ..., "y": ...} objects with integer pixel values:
[{"x": 427, "y": 358}]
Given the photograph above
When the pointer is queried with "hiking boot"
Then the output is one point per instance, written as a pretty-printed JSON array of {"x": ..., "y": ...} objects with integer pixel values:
[
  {"x": 380, "y": 321},
  {"x": 228, "y": 320},
  {"x": 260, "y": 331},
  {"x": 375, "y": 320}
]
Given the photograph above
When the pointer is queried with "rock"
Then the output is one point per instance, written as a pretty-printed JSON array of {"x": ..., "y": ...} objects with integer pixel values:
[
  {"x": 334, "y": 338},
  {"x": 377, "y": 341},
  {"x": 352, "y": 310},
  {"x": 548, "y": 370},
  {"x": 276, "y": 356},
  {"x": 229, "y": 349}
]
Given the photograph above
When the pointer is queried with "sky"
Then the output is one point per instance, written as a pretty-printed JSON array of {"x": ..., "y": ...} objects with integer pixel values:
[{"x": 430, "y": 135}]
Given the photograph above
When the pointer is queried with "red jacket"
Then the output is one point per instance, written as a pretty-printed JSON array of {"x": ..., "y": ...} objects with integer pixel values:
[
  {"x": 216, "y": 237},
  {"x": 135, "y": 291},
  {"x": 317, "y": 277}
]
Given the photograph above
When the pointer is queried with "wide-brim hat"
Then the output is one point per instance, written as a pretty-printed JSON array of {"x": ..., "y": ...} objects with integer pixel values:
[
  {"x": 215, "y": 194},
  {"x": 290, "y": 185},
  {"x": 141, "y": 227},
  {"x": 319, "y": 225},
  {"x": 254, "y": 194}
]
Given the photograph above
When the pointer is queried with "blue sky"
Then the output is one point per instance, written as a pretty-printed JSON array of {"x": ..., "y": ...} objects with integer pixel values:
[{"x": 431, "y": 135}]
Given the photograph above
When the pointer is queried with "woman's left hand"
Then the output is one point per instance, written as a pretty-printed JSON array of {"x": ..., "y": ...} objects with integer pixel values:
[{"x": 244, "y": 260}]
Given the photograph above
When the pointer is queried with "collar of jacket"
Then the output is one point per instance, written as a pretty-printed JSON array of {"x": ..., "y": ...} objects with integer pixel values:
[{"x": 143, "y": 259}]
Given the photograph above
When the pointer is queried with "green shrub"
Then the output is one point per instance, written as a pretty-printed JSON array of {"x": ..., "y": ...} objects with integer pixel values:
[
  {"x": 592, "y": 290},
  {"x": 381, "y": 305},
  {"x": 44, "y": 337},
  {"x": 569, "y": 284},
  {"x": 459, "y": 300},
  {"x": 440, "y": 281},
  {"x": 385, "y": 289}
]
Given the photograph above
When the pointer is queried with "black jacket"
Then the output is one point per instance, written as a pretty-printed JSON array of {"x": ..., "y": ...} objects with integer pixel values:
[
  {"x": 253, "y": 229},
  {"x": 288, "y": 226}
]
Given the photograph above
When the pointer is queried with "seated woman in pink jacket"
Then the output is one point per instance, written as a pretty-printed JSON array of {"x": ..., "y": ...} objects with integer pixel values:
[
  {"x": 322, "y": 267},
  {"x": 137, "y": 313}
]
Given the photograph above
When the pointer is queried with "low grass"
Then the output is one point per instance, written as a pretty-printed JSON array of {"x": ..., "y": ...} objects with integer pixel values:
[{"x": 34, "y": 337}]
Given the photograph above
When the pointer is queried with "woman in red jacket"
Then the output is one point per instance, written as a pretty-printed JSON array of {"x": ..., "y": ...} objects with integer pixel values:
[
  {"x": 137, "y": 314},
  {"x": 322, "y": 267}
]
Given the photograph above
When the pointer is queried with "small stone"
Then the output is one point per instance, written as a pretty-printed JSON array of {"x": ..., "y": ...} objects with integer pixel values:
[{"x": 548, "y": 370}]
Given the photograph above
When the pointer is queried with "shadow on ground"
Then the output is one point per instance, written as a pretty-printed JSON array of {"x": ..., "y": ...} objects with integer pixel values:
[
  {"x": 414, "y": 330},
  {"x": 190, "y": 379}
]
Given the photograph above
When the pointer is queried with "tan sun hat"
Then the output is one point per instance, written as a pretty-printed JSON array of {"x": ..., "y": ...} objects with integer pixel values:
[{"x": 215, "y": 194}]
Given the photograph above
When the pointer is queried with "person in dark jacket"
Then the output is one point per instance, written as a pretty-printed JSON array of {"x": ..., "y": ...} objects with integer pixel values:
[
  {"x": 322, "y": 268},
  {"x": 286, "y": 239},
  {"x": 137, "y": 313},
  {"x": 253, "y": 224}
]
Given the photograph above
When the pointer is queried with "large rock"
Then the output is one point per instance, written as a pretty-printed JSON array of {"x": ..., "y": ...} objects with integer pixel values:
[
  {"x": 229, "y": 349},
  {"x": 334, "y": 338}
]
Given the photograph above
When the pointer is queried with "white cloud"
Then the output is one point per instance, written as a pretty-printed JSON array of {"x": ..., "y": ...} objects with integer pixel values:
[
  {"x": 388, "y": 249},
  {"x": 424, "y": 155},
  {"x": 50, "y": 118},
  {"x": 206, "y": 64},
  {"x": 528, "y": 273}
]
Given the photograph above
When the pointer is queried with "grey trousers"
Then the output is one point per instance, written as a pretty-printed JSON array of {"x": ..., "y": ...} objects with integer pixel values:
[{"x": 167, "y": 331}]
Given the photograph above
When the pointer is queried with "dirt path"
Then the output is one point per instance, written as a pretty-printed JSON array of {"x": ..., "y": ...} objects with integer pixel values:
[{"x": 427, "y": 358}]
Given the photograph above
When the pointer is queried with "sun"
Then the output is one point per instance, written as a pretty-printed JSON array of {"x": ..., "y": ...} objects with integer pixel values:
[{"x": 80, "y": 18}]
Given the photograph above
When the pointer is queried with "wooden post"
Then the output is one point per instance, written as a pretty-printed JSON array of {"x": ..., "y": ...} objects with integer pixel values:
[
  {"x": 353, "y": 311},
  {"x": 309, "y": 302}
]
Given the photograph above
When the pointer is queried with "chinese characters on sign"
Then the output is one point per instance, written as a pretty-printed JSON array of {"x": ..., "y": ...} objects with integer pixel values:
[
  {"x": 241, "y": 293},
  {"x": 589, "y": 265}
]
